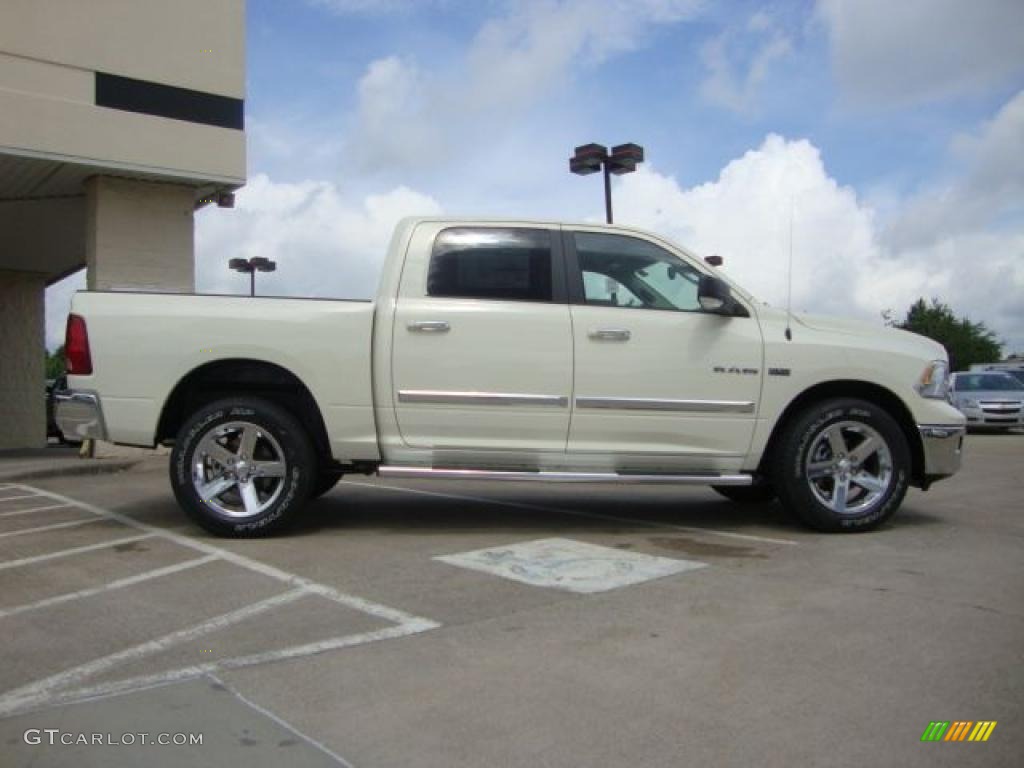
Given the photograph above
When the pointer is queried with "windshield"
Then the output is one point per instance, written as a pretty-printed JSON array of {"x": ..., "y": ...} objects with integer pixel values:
[
  {"x": 1018, "y": 375},
  {"x": 980, "y": 382}
]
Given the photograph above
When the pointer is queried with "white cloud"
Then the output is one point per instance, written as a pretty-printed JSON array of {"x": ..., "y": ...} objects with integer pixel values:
[
  {"x": 324, "y": 244},
  {"x": 911, "y": 51},
  {"x": 738, "y": 61},
  {"x": 841, "y": 264},
  {"x": 406, "y": 118},
  {"x": 397, "y": 120},
  {"x": 534, "y": 46},
  {"x": 989, "y": 187}
]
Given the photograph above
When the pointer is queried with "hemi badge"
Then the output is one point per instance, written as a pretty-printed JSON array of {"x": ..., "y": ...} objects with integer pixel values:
[{"x": 779, "y": 371}]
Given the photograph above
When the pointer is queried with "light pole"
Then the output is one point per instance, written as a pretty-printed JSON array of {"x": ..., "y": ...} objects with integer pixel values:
[
  {"x": 591, "y": 158},
  {"x": 251, "y": 267}
]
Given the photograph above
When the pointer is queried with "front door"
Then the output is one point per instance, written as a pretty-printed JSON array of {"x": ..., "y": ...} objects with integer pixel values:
[{"x": 656, "y": 375}]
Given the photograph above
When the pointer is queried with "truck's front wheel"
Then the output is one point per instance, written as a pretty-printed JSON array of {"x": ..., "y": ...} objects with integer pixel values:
[
  {"x": 844, "y": 465},
  {"x": 242, "y": 467}
]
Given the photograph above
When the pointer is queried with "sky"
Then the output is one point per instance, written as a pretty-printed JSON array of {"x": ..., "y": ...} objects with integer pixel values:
[{"x": 881, "y": 143}]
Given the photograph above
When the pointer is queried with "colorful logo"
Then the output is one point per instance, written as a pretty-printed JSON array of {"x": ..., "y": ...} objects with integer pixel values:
[{"x": 958, "y": 730}]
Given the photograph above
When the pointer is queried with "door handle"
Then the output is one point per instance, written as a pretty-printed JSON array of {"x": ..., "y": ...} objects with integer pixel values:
[
  {"x": 610, "y": 334},
  {"x": 430, "y": 326}
]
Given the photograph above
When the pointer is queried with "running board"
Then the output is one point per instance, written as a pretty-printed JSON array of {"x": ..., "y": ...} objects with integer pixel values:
[{"x": 563, "y": 477}]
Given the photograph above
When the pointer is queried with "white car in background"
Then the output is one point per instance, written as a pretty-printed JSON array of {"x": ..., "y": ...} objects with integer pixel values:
[{"x": 990, "y": 399}]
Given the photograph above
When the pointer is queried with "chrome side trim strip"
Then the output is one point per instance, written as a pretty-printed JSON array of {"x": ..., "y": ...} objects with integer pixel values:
[
  {"x": 651, "y": 404},
  {"x": 478, "y": 398},
  {"x": 562, "y": 477}
]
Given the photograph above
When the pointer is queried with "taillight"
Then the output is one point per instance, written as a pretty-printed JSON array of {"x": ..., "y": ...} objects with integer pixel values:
[{"x": 76, "y": 347}]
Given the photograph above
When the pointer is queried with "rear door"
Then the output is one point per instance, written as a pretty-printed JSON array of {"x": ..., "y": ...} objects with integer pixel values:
[
  {"x": 482, "y": 340},
  {"x": 655, "y": 375}
]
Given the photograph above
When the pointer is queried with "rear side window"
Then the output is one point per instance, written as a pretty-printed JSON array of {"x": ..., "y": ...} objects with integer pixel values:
[{"x": 508, "y": 264}]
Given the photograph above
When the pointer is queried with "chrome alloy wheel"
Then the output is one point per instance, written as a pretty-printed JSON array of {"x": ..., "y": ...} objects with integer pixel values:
[
  {"x": 849, "y": 467},
  {"x": 238, "y": 469}
]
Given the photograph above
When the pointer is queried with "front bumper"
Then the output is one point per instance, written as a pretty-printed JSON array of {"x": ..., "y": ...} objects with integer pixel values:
[
  {"x": 943, "y": 449},
  {"x": 1005, "y": 417},
  {"x": 79, "y": 415}
]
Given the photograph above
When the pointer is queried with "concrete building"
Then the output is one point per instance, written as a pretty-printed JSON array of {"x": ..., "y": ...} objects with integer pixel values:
[{"x": 118, "y": 118}]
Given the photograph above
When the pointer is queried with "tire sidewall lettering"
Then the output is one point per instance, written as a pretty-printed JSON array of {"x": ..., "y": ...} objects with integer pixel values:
[
  {"x": 295, "y": 451},
  {"x": 802, "y": 435}
]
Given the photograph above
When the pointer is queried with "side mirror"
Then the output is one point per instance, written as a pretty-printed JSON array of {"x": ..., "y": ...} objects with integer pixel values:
[{"x": 714, "y": 295}]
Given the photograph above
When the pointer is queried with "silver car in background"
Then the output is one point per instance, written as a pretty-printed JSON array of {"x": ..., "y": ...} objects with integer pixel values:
[{"x": 988, "y": 399}]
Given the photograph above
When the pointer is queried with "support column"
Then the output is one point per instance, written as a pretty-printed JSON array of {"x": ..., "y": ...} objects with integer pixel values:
[
  {"x": 139, "y": 235},
  {"x": 22, "y": 365}
]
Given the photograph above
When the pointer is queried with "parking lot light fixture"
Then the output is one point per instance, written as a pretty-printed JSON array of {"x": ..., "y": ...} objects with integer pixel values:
[
  {"x": 251, "y": 267},
  {"x": 591, "y": 158}
]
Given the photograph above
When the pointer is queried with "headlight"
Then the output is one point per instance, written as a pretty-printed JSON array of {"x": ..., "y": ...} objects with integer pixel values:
[
  {"x": 934, "y": 380},
  {"x": 968, "y": 403}
]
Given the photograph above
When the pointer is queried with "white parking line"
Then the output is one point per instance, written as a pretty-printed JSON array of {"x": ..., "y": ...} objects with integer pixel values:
[
  {"x": 359, "y": 604},
  {"x": 16, "y": 498},
  {"x": 68, "y": 552},
  {"x": 54, "y": 689},
  {"x": 109, "y": 586},
  {"x": 15, "y": 512},
  {"x": 40, "y": 689},
  {"x": 56, "y": 698},
  {"x": 558, "y": 510},
  {"x": 54, "y": 527}
]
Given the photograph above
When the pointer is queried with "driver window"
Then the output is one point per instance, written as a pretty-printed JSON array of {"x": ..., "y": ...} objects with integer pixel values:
[
  {"x": 622, "y": 271},
  {"x": 601, "y": 289}
]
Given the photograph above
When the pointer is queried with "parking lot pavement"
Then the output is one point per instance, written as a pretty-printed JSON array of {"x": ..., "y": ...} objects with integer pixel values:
[{"x": 469, "y": 624}]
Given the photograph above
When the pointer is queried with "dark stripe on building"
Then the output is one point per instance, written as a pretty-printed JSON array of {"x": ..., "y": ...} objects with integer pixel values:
[{"x": 148, "y": 98}]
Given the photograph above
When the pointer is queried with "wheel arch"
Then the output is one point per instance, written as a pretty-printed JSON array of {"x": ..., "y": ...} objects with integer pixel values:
[
  {"x": 242, "y": 376},
  {"x": 864, "y": 390}
]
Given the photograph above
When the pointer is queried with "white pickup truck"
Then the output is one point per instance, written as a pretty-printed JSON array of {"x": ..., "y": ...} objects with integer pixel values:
[{"x": 520, "y": 350}]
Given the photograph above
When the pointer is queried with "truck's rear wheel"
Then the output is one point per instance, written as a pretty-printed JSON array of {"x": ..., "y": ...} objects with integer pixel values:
[
  {"x": 843, "y": 465},
  {"x": 242, "y": 467}
]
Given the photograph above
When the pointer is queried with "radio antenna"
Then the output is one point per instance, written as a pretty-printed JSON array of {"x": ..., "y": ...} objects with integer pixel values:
[{"x": 789, "y": 276}]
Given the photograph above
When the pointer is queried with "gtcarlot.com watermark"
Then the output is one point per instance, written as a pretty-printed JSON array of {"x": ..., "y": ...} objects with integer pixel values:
[{"x": 55, "y": 737}]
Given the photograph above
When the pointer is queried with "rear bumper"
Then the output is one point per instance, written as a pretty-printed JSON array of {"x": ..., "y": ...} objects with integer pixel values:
[
  {"x": 79, "y": 415},
  {"x": 943, "y": 449}
]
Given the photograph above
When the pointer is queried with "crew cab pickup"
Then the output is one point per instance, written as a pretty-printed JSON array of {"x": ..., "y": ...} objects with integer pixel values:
[{"x": 518, "y": 350}]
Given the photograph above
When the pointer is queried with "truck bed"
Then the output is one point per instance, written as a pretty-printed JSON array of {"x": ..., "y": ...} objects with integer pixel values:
[{"x": 147, "y": 342}]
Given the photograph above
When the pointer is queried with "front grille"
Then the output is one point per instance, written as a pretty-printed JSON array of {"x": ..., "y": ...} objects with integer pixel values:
[{"x": 1000, "y": 407}]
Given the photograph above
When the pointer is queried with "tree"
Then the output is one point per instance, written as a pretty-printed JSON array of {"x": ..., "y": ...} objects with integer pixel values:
[
  {"x": 55, "y": 363},
  {"x": 966, "y": 342}
]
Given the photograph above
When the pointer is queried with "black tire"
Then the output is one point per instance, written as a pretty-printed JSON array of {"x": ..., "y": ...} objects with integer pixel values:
[
  {"x": 758, "y": 493},
  {"x": 278, "y": 445},
  {"x": 325, "y": 481},
  {"x": 811, "y": 470}
]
